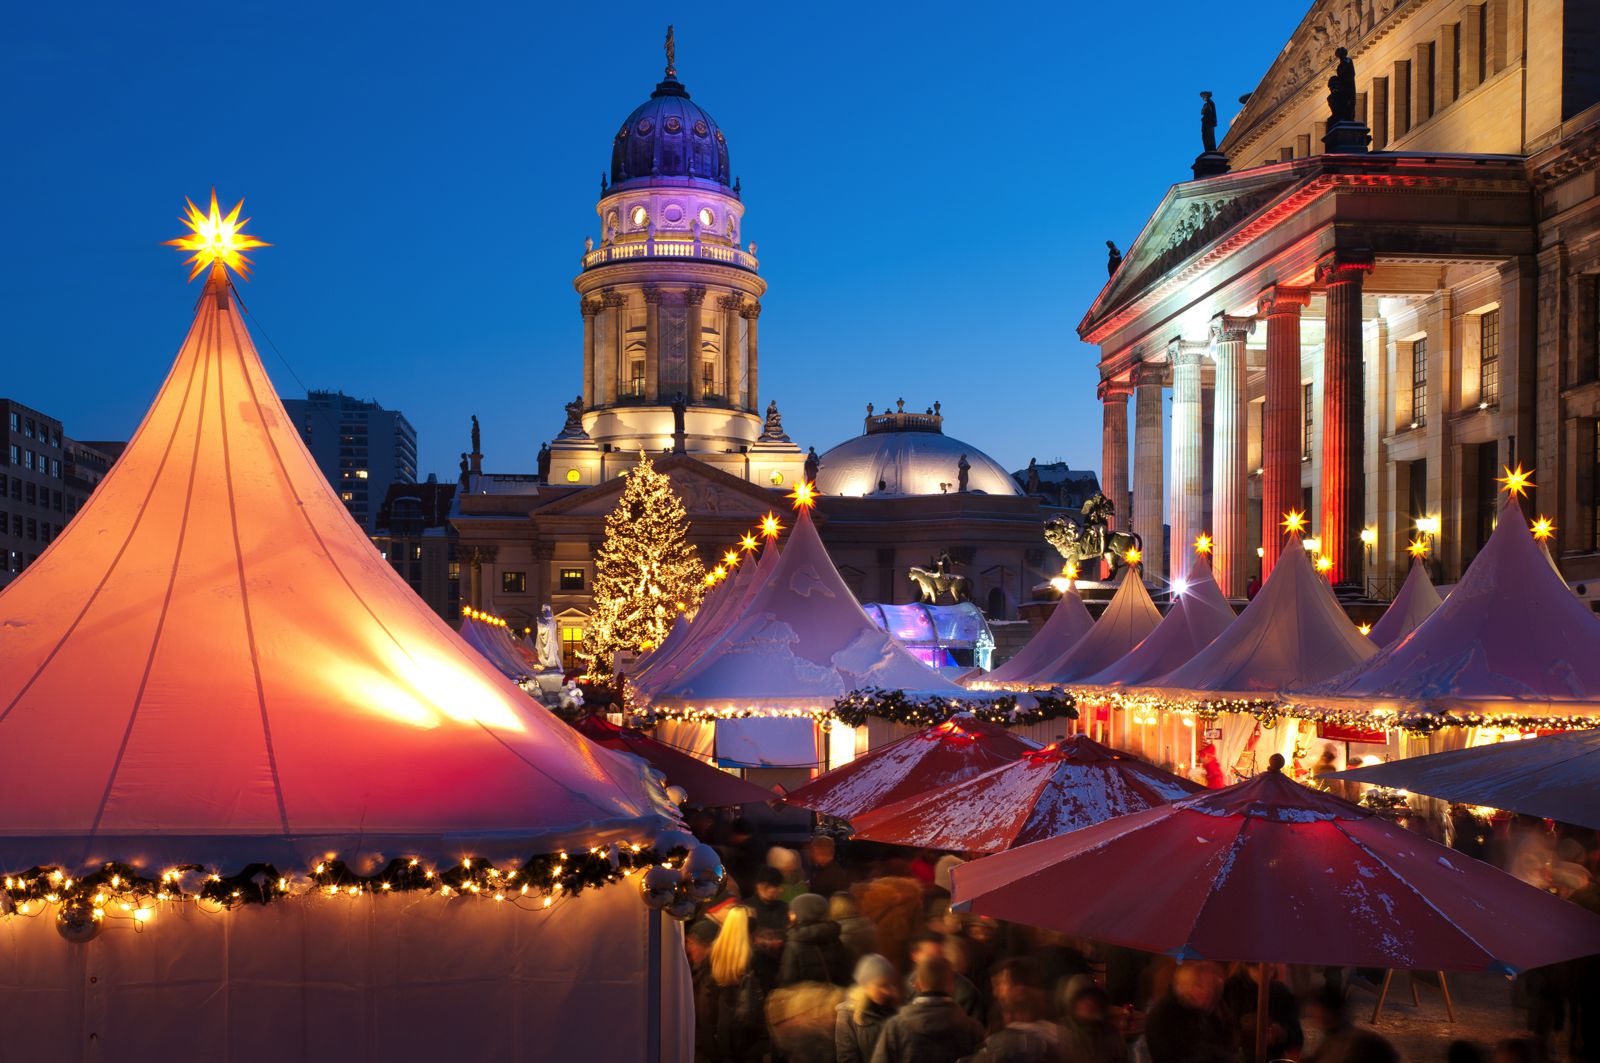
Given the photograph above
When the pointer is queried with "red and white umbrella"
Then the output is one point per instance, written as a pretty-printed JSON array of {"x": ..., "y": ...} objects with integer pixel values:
[
  {"x": 1070, "y": 784},
  {"x": 932, "y": 758}
]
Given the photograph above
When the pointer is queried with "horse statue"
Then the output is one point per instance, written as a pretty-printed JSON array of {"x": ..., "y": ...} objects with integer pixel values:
[
  {"x": 940, "y": 580},
  {"x": 1094, "y": 542}
]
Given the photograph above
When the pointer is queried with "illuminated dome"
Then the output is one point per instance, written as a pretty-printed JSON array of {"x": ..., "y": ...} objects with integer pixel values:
[
  {"x": 908, "y": 454},
  {"x": 669, "y": 136}
]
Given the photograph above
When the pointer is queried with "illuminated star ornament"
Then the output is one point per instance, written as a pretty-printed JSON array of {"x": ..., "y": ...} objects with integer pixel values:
[
  {"x": 804, "y": 495},
  {"x": 215, "y": 238},
  {"x": 1133, "y": 555},
  {"x": 1418, "y": 548},
  {"x": 1071, "y": 571},
  {"x": 731, "y": 559},
  {"x": 770, "y": 526},
  {"x": 748, "y": 543},
  {"x": 1515, "y": 482},
  {"x": 1202, "y": 544},
  {"x": 1324, "y": 562},
  {"x": 1294, "y": 521},
  {"x": 1544, "y": 529}
]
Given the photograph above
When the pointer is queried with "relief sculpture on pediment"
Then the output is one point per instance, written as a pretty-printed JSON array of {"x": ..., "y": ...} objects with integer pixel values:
[{"x": 1334, "y": 24}]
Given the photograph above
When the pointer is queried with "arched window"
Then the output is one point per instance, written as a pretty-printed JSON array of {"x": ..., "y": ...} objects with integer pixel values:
[{"x": 996, "y": 608}]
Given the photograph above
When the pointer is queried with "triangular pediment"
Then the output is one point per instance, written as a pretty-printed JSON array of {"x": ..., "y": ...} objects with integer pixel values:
[{"x": 707, "y": 493}]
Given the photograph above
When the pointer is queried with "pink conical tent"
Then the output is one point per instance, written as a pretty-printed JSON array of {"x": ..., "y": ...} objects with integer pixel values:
[
  {"x": 1198, "y": 615},
  {"x": 1069, "y": 621},
  {"x": 1129, "y": 618},
  {"x": 494, "y": 644},
  {"x": 1069, "y": 784},
  {"x": 800, "y": 641},
  {"x": 212, "y": 664},
  {"x": 1511, "y": 638},
  {"x": 1292, "y": 633},
  {"x": 1415, "y": 603}
]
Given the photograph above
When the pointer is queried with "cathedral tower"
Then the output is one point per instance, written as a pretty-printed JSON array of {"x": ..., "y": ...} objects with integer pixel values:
[{"x": 670, "y": 304}]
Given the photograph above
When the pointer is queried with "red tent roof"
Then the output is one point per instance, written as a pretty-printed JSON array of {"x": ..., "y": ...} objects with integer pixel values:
[
  {"x": 933, "y": 757},
  {"x": 1269, "y": 871},
  {"x": 213, "y": 664},
  {"x": 1066, "y": 785},
  {"x": 706, "y": 785}
]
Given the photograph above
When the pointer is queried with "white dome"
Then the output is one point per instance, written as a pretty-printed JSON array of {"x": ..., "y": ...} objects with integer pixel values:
[{"x": 908, "y": 462}]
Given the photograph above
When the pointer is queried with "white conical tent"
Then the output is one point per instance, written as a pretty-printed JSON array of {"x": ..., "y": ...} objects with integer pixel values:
[
  {"x": 1069, "y": 621},
  {"x": 801, "y": 641},
  {"x": 711, "y": 621},
  {"x": 1292, "y": 633},
  {"x": 1128, "y": 620},
  {"x": 1511, "y": 638},
  {"x": 213, "y": 664},
  {"x": 494, "y": 644},
  {"x": 1198, "y": 615},
  {"x": 1415, "y": 603}
]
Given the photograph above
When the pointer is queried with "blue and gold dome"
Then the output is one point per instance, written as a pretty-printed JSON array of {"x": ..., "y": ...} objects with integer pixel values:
[{"x": 669, "y": 137}]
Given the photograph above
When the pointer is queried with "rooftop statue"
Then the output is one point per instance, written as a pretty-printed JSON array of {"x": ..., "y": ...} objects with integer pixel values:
[
  {"x": 772, "y": 430},
  {"x": 938, "y": 580},
  {"x": 1208, "y": 123},
  {"x": 573, "y": 429},
  {"x": 1342, "y": 89},
  {"x": 1095, "y": 541},
  {"x": 1113, "y": 259},
  {"x": 963, "y": 470}
]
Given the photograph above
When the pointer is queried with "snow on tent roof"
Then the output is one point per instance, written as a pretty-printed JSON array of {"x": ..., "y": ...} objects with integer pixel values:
[
  {"x": 1415, "y": 603},
  {"x": 1069, "y": 621},
  {"x": 1196, "y": 618},
  {"x": 801, "y": 641},
  {"x": 212, "y": 663},
  {"x": 1292, "y": 633},
  {"x": 1511, "y": 632},
  {"x": 1128, "y": 620}
]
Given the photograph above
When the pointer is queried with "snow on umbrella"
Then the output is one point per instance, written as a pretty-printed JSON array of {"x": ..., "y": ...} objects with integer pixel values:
[
  {"x": 1070, "y": 784},
  {"x": 706, "y": 785},
  {"x": 931, "y": 758},
  {"x": 1553, "y": 777},
  {"x": 1269, "y": 871}
]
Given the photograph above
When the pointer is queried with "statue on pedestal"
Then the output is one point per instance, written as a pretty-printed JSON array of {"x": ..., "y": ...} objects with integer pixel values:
[
  {"x": 813, "y": 463},
  {"x": 573, "y": 429},
  {"x": 772, "y": 431},
  {"x": 1342, "y": 89},
  {"x": 1208, "y": 124},
  {"x": 544, "y": 463},
  {"x": 547, "y": 644},
  {"x": 1032, "y": 487},
  {"x": 963, "y": 470},
  {"x": 1095, "y": 541},
  {"x": 680, "y": 410},
  {"x": 1113, "y": 259}
]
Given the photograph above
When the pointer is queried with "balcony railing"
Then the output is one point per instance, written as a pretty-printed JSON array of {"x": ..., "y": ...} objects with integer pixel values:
[{"x": 665, "y": 248}]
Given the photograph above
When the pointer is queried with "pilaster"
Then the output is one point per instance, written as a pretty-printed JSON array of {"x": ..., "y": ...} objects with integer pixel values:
[
  {"x": 588, "y": 308},
  {"x": 613, "y": 303},
  {"x": 752, "y": 313},
  {"x": 693, "y": 301},
  {"x": 652, "y": 343}
]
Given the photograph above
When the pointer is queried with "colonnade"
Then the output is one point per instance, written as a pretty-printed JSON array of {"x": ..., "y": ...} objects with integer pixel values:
[{"x": 605, "y": 355}]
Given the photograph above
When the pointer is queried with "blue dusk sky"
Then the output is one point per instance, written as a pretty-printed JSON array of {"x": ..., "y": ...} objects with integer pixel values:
[{"x": 929, "y": 187}]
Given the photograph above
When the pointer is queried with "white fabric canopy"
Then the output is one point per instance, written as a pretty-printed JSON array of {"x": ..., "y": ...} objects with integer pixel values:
[
  {"x": 1196, "y": 618},
  {"x": 721, "y": 607},
  {"x": 1069, "y": 621},
  {"x": 1292, "y": 633},
  {"x": 1510, "y": 637},
  {"x": 213, "y": 664},
  {"x": 1415, "y": 603},
  {"x": 801, "y": 641},
  {"x": 1129, "y": 618}
]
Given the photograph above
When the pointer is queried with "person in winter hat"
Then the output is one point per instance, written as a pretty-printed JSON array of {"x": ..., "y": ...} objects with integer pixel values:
[
  {"x": 871, "y": 1002},
  {"x": 813, "y": 951}
]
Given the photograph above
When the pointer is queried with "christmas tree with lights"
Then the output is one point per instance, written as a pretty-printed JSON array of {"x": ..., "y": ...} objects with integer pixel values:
[{"x": 646, "y": 573}]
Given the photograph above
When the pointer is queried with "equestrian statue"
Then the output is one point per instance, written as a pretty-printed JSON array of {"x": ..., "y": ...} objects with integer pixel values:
[
  {"x": 939, "y": 580},
  {"x": 1094, "y": 541}
]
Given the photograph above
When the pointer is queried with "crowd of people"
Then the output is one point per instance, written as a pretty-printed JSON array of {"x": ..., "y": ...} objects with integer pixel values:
[{"x": 849, "y": 952}]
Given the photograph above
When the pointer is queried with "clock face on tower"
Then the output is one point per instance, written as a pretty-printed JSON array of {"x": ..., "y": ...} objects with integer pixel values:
[
  {"x": 640, "y": 215},
  {"x": 706, "y": 217}
]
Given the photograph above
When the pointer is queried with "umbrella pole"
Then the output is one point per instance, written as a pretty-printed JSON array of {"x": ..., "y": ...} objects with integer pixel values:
[{"x": 1263, "y": 985}]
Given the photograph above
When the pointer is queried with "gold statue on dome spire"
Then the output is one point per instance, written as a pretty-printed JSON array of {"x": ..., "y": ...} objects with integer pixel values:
[{"x": 672, "y": 54}]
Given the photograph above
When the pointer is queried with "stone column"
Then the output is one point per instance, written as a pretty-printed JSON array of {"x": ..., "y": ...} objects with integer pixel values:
[
  {"x": 476, "y": 557},
  {"x": 1343, "y": 490},
  {"x": 611, "y": 360},
  {"x": 1281, "y": 417},
  {"x": 1230, "y": 472},
  {"x": 1149, "y": 422},
  {"x": 589, "y": 308},
  {"x": 752, "y": 312},
  {"x": 692, "y": 300},
  {"x": 732, "y": 370},
  {"x": 1188, "y": 472},
  {"x": 1114, "y": 448},
  {"x": 652, "y": 343}
]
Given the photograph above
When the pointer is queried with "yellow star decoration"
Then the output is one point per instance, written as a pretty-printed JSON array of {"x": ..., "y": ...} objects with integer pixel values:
[
  {"x": 1294, "y": 521},
  {"x": 1515, "y": 482},
  {"x": 1133, "y": 555},
  {"x": 1365, "y": 629},
  {"x": 1202, "y": 544},
  {"x": 720, "y": 572},
  {"x": 1071, "y": 571},
  {"x": 770, "y": 526},
  {"x": 804, "y": 495},
  {"x": 748, "y": 543},
  {"x": 1324, "y": 563},
  {"x": 215, "y": 238},
  {"x": 1418, "y": 548},
  {"x": 1543, "y": 529},
  {"x": 731, "y": 558},
  {"x": 711, "y": 579}
]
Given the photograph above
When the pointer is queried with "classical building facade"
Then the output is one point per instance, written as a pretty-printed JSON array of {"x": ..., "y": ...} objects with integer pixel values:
[{"x": 1366, "y": 321}]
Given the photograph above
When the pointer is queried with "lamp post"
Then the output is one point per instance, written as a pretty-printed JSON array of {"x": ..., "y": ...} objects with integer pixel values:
[{"x": 1369, "y": 539}]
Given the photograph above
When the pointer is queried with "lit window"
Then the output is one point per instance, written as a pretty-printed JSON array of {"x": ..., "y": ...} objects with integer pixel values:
[
  {"x": 573, "y": 476},
  {"x": 1489, "y": 358},
  {"x": 514, "y": 582},
  {"x": 361, "y": 474},
  {"x": 707, "y": 219},
  {"x": 347, "y": 496},
  {"x": 572, "y": 579},
  {"x": 639, "y": 215},
  {"x": 571, "y": 639},
  {"x": 1419, "y": 382}
]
